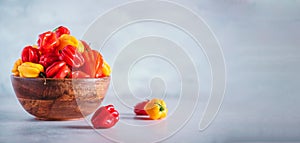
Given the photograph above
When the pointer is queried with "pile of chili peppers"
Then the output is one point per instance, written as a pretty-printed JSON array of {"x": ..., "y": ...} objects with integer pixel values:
[{"x": 58, "y": 54}]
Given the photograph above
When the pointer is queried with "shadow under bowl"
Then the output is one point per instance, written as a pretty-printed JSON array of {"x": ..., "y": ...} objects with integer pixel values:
[{"x": 60, "y": 99}]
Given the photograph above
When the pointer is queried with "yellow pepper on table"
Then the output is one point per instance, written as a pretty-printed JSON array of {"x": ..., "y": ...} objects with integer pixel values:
[
  {"x": 29, "y": 69},
  {"x": 156, "y": 109},
  {"x": 67, "y": 39}
]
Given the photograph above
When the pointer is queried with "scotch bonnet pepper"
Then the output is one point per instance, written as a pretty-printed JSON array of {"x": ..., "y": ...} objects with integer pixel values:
[
  {"x": 29, "y": 69},
  {"x": 139, "y": 109},
  {"x": 30, "y": 54},
  {"x": 66, "y": 39},
  {"x": 156, "y": 109},
  {"x": 47, "y": 42},
  {"x": 48, "y": 59},
  {"x": 58, "y": 70},
  {"x": 61, "y": 30},
  {"x": 71, "y": 56},
  {"x": 105, "y": 117},
  {"x": 15, "y": 70},
  {"x": 93, "y": 63}
]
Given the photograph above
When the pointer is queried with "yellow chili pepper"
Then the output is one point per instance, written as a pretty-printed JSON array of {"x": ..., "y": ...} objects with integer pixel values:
[
  {"x": 67, "y": 39},
  {"x": 156, "y": 109},
  {"x": 29, "y": 69},
  {"x": 15, "y": 70},
  {"x": 106, "y": 69}
]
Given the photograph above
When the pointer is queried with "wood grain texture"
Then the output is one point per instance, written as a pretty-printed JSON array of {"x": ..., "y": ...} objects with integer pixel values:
[{"x": 60, "y": 99}]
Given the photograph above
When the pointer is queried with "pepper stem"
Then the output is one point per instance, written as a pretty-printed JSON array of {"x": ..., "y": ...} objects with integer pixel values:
[
  {"x": 41, "y": 74},
  {"x": 161, "y": 108},
  {"x": 54, "y": 29}
]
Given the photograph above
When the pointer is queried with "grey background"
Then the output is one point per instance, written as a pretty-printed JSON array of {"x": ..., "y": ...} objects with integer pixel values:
[{"x": 260, "y": 41}]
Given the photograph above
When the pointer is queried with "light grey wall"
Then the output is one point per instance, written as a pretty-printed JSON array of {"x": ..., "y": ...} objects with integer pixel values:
[
  {"x": 260, "y": 39},
  {"x": 22, "y": 21}
]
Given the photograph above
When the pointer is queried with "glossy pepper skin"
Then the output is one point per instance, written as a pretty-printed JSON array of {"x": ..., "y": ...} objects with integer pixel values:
[
  {"x": 66, "y": 39},
  {"x": 48, "y": 59},
  {"x": 58, "y": 70},
  {"x": 30, "y": 54},
  {"x": 156, "y": 109},
  {"x": 103, "y": 71},
  {"x": 29, "y": 69},
  {"x": 79, "y": 74},
  {"x": 139, "y": 108},
  {"x": 61, "y": 30},
  {"x": 47, "y": 42},
  {"x": 15, "y": 70},
  {"x": 93, "y": 63},
  {"x": 105, "y": 117},
  {"x": 106, "y": 70},
  {"x": 85, "y": 45},
  {"x": 71, "y": 56}
]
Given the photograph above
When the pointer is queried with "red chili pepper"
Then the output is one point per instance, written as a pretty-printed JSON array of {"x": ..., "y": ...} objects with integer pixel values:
[
  {"x": 47, "y": 42},
  {"x": 105, "y": 117},
  {"x": 139, "y": 108},
  {"x": 30, "y": 54},
  {"x": 61, "y": 30},
  {"x": 48, "y": 59},
  {"x": 93, "y": 62},
  {"x": 71, "y": 56},
  {"x": 58, "y": 70},
  {"x": 79, "y": 74}
]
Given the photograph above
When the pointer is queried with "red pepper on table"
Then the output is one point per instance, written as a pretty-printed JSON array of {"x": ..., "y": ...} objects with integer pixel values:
[
  {"x": 58, "y": 70},
  {"x": 71, "y": 56},
  {"x": 30, "y": 54},
  {"x": 93, "y": 61},
  {"x": 48, "y": 59},
  {"x": 105, "y": 117},
  {"x": 79, "y": 74},
  {"x": 139, "y": 108},
  {"x": 61, "y": 30},
  {"x": 47, "y": 42}
]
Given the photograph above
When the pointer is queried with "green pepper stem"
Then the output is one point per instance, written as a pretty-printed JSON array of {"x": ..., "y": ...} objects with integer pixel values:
[{"x": 161, "y": 108}]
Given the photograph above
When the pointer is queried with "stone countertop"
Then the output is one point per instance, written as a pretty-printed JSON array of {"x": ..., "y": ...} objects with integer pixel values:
[{"x": 248, "y": 123}]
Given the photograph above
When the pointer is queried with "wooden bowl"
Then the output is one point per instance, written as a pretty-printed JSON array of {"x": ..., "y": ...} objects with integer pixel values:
[{"x": 60, "y": 99}]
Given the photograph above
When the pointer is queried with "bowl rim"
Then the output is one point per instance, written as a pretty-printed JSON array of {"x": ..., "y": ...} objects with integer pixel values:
[{"x": 58, "y": 79}]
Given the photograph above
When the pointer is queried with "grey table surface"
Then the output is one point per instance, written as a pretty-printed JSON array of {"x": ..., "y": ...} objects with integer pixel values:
[{"x": 255, "y": 122}]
